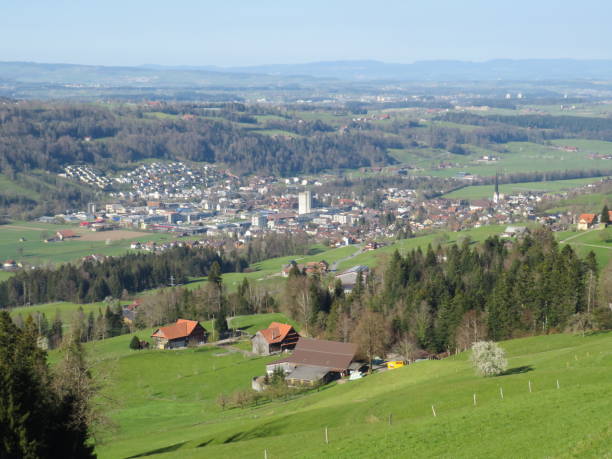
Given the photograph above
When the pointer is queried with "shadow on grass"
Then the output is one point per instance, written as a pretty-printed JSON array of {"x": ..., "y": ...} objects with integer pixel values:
[
  {"x": 166, "y": 449},
  {"x": 517, "y": 370}
]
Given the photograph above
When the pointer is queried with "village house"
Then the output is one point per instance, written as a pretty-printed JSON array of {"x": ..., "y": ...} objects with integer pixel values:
[
  {"x": 310, "y": 268},
  {"x": 586, "y": 221},
  {"x": 181, "y": 334},
  {"x": 316, "y": 361},
  {"x": 277, "y": 337}
]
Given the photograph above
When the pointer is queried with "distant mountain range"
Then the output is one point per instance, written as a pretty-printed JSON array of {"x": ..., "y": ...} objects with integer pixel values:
[
  {"x": 504, "y": 69},
  {"x": 309, "y": 73}
]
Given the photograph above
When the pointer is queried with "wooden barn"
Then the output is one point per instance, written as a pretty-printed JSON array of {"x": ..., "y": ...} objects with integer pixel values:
[
  {"x": 316, "y": 361},
  {"x": 181, "y": 334},
  {"x": 276, "y": 338}
]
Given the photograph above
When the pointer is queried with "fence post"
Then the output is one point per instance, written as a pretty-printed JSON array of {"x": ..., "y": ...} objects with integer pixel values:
[
  {"x": 501, "y": 392},
  {"x": 434, "y": 411},
  {"x": 530, "y": 386},
  {"x": 326, "y": 437},
  {"x": 474, "y": 399}
]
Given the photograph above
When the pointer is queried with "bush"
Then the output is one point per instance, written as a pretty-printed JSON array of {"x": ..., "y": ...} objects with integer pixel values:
[
  {"x": 489, "y": 358},
  {"x": 135, "y": 343}
]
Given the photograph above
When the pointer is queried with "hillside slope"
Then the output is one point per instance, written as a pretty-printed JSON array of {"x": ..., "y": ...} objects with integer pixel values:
[{"x": 165, "y": 407}]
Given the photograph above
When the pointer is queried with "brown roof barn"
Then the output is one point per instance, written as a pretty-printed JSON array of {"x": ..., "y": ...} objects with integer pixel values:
[
  {"x": 315, "y": 361},
  {"x": 276, "y": 338},
  {"x": 180, "y": 334}
]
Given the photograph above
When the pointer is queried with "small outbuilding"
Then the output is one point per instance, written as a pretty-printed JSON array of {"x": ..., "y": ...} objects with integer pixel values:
[{"x": 276, "y": 338}]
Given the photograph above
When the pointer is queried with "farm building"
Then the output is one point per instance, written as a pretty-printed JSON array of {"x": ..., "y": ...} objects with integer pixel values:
[
  {"x": 276, "y": 338},
  {"x": 65, "y": 234},
  {"x": 316, "y": 361},
  {"x": 348, "y": 278},
  {"x": 515, "y": 231},
  {"x": 586, "y": 221},
  {"x": 181, "y": 334}
]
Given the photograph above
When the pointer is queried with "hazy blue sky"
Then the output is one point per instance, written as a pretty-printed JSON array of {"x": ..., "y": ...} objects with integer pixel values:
[{"x": 246, "y": 32}]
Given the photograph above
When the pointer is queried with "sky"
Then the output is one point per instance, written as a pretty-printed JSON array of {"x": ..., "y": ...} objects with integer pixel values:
[{"x": 253, "y": 32}]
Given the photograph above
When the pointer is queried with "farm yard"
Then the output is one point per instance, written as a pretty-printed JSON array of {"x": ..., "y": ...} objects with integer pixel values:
[{"x": 172, "y": 413}]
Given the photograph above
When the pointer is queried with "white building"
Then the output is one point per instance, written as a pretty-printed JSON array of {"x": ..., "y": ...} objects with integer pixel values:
[
  {"x": 304, "y": 202},
  {"x": 259, "y": 221}
]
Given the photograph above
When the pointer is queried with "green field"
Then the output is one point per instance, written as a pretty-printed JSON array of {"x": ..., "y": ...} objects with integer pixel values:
[
  {"x": 374, "y": 257},
  {"x": 486, "y": 191},
  {"x": 66, "y": 310},
  {"x": 592, "y": 202},
  {"x": 599, "y": 241},
  {"x": 163, "y": 404},
  {"x": 515, "y": 157},
  {"x": 36, "y": 252},
  {"x": 267, "y": 273}
]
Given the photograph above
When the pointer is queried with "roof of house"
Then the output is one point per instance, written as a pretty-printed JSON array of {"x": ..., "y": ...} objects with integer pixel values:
[
  {"x": 587, "y": 218},
  {"x": 322, "y": 353},
  {"x": 308, "y": 373},
  {"x": 67, "y": 233},
  {"x": 181, "y": 329},
  {"x": 276, "y": 332}
]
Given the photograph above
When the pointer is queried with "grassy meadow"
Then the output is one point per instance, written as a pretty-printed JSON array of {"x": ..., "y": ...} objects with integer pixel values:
[
  {"x": 599, "y": 241},
  {"x": 33, "y": 250},
  {"x": 163, "y": 404}
]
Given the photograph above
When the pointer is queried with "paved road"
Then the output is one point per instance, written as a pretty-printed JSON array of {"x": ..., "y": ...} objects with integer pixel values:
[{"x": 334, "y": 265}]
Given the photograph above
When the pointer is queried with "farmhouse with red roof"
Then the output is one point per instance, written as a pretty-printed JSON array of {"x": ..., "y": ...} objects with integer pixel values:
[
  {"x": 276, "y": 338},
  {"x": 586, "y": 221},
  {"x": 181, "y": 334}
]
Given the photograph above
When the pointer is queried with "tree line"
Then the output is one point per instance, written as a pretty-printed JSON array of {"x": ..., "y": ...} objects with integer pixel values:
[
  {"x": 49, "y": 136},
  {"x": 115, "y": 276}
]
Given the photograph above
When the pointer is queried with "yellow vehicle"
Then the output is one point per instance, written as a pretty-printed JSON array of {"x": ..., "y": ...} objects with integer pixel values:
[{"x": 393, "y": 364}]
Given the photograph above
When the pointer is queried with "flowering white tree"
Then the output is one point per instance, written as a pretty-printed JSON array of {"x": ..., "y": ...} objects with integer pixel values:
[{"x": 489, "y": 358}]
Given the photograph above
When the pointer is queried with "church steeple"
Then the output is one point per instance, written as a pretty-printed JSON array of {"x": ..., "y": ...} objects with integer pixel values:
[{"x": 496, "y": 192}]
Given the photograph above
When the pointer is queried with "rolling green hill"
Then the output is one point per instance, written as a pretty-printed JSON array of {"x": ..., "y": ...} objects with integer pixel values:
[{"x": 163, "y": 404}]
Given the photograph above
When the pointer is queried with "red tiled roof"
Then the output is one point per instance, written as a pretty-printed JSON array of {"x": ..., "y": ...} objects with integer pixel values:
[
  {"x": 67, "y": 233},
  {"x": 587, "y": 218},
  {"x": 181, "y": 329},
  {"x": 276, "y": 332}
]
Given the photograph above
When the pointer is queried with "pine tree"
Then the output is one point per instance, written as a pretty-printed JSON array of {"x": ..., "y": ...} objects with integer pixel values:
[
  {"x": 135, "y": 343},
  {"x": 605, "y": 215},
  {"x": 221, "y": 327}
]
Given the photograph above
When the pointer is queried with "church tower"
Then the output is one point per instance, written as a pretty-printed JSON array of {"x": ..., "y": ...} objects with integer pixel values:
[{"x": 496, "y": 192}]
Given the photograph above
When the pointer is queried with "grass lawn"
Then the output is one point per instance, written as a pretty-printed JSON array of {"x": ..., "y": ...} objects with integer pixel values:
[
  {"x": 486, "y": 191},
  {"x": 163, "y": 403},
  {"x": 4, "y": 275}
]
